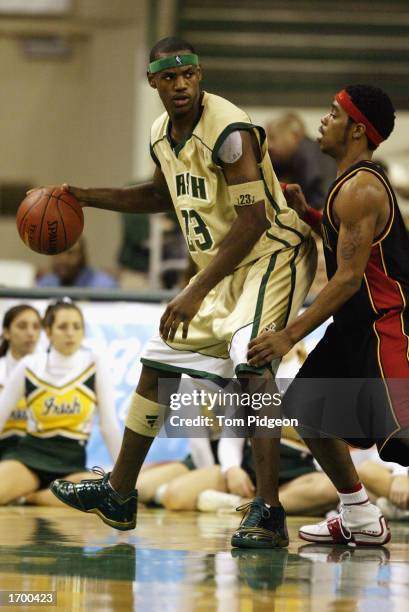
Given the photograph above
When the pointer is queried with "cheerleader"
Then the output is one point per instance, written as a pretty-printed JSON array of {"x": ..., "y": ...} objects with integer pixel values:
[
  {"x": 62, "y": 387},
  {"x": 21, "y": 332}
]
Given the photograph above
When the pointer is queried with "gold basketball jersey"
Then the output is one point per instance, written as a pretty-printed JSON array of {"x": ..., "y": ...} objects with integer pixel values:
[{"x": 199, "y": 190}]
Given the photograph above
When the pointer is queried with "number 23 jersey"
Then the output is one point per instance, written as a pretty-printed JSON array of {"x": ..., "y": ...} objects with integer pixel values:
[{"x": 199, "y": 191}]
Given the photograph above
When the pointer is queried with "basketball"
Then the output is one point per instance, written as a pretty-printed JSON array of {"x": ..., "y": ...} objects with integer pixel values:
[{"x": 49, "y": 221}]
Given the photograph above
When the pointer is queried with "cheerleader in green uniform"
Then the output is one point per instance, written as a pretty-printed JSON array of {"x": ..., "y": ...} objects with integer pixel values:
[
  {"x": 21, "y": 332},
  {"x": 63, "y": 388}
]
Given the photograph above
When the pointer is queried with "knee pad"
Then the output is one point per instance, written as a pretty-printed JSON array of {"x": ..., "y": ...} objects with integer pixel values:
[{"x": 144, "y": 416}]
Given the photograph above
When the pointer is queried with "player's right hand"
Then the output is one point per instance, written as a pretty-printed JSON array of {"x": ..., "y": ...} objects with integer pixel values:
[
  {"x": 295, "y": 199},
  {"x": 238, "y": 482},
  {"x": 180, "y": 311}
]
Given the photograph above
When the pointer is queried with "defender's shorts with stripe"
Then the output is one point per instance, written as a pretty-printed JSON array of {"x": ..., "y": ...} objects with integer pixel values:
[
  {"x": 267, "y": 293},
  {"x": 355, "y": 386}
]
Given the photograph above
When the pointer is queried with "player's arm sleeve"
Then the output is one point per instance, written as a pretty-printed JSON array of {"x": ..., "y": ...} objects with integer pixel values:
[
  {"x": 108, "y": 421},
  {"x": 12, "y": 392},
  {"x": 230, "y": 453}
]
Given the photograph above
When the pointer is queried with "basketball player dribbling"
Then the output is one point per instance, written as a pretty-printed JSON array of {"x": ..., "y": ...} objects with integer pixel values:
[{"x": 256, "y": 262}]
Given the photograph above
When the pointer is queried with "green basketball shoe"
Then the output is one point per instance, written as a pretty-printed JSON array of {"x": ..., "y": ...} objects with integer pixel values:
[
  {"x": 98, "y": 497},
  {"x": 262, "y": 526}
]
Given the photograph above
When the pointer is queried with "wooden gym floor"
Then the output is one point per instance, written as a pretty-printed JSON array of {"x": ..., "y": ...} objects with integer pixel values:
[{"x": 183, "y": 562}]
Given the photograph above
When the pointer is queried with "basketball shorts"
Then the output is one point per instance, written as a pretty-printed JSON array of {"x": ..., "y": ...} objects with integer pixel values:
[
  {"x": 265, "y": 294},
  {"x": 353, "y": 386}
]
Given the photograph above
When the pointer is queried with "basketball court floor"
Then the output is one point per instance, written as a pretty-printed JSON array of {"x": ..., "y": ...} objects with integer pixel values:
[{"x": 183, "y": 562}]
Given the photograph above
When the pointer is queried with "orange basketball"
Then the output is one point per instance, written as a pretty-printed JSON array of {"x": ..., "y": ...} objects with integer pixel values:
[{"x": 50, "y": 221}]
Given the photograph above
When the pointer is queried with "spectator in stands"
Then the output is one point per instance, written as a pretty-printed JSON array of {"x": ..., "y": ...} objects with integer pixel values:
[
  {"x": 174, "y": 253},
  {"x": 134, "y": 253},
  {"x": 298, "y": 159},
  {"x": 71, "y": 269},
  {"x": 133, "y": 256}
]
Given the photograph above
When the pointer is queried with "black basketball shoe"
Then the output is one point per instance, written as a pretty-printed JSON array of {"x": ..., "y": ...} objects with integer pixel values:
[
  {"x": 262, "y": 526},
  {"x": 98, "y": 497}
]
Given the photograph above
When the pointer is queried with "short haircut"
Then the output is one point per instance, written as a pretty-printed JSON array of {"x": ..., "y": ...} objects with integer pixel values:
[
  {"x": 169, "y": 45},
  {"x": 377, "y": 107}
]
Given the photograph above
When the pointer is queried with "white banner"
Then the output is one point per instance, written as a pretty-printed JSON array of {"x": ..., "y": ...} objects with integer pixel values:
[{"x": 119, "y": 331}]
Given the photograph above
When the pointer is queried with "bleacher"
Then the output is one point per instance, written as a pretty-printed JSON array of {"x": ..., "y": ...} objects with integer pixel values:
[{"x": 299, "y": 57}]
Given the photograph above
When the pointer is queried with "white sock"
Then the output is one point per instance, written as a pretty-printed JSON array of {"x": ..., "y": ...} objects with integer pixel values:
[{"x": 356, "y": 497}]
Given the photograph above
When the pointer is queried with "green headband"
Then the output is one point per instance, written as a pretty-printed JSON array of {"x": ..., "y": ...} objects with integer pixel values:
[{"x": 173, "y": 62}]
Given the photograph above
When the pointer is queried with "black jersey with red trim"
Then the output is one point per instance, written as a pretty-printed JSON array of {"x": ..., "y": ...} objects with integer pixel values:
[{"x": 385, "y": 286}]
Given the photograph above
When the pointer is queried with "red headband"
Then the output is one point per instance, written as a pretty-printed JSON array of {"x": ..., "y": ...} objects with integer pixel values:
[{"x": 344, "y": 100}]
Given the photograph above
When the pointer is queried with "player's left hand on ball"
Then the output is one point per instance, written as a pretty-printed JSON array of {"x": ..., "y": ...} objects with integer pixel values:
[
  {"x": 180, "y": 310},
  {"x": 268, "y": 346}
]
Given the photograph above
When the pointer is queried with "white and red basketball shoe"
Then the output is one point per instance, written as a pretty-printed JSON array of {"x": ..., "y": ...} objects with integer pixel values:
[{"x": 356, "y": 525}]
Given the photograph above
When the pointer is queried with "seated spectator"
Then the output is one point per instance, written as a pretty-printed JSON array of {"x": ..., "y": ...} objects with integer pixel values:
[
  {"x": 178, "y": 485},
  {"x": 386, "y": 483},
  {"x": 21, "y": 332},
  {"x": 221, "y": 475},
  {"x": 64, "y": 388},
  {"x": 71, "y": 269},
  {"x": 296, "y": 158}
]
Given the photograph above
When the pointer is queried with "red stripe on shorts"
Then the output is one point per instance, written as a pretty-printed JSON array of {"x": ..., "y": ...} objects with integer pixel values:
[{"x": 393, "y": 342}]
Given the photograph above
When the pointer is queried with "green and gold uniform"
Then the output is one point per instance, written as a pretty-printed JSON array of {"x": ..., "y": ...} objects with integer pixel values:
[
  {"x": 268, "y": 286},
  {"x": 61, "y": 397},
  {"x": 16, "y": 425}
]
